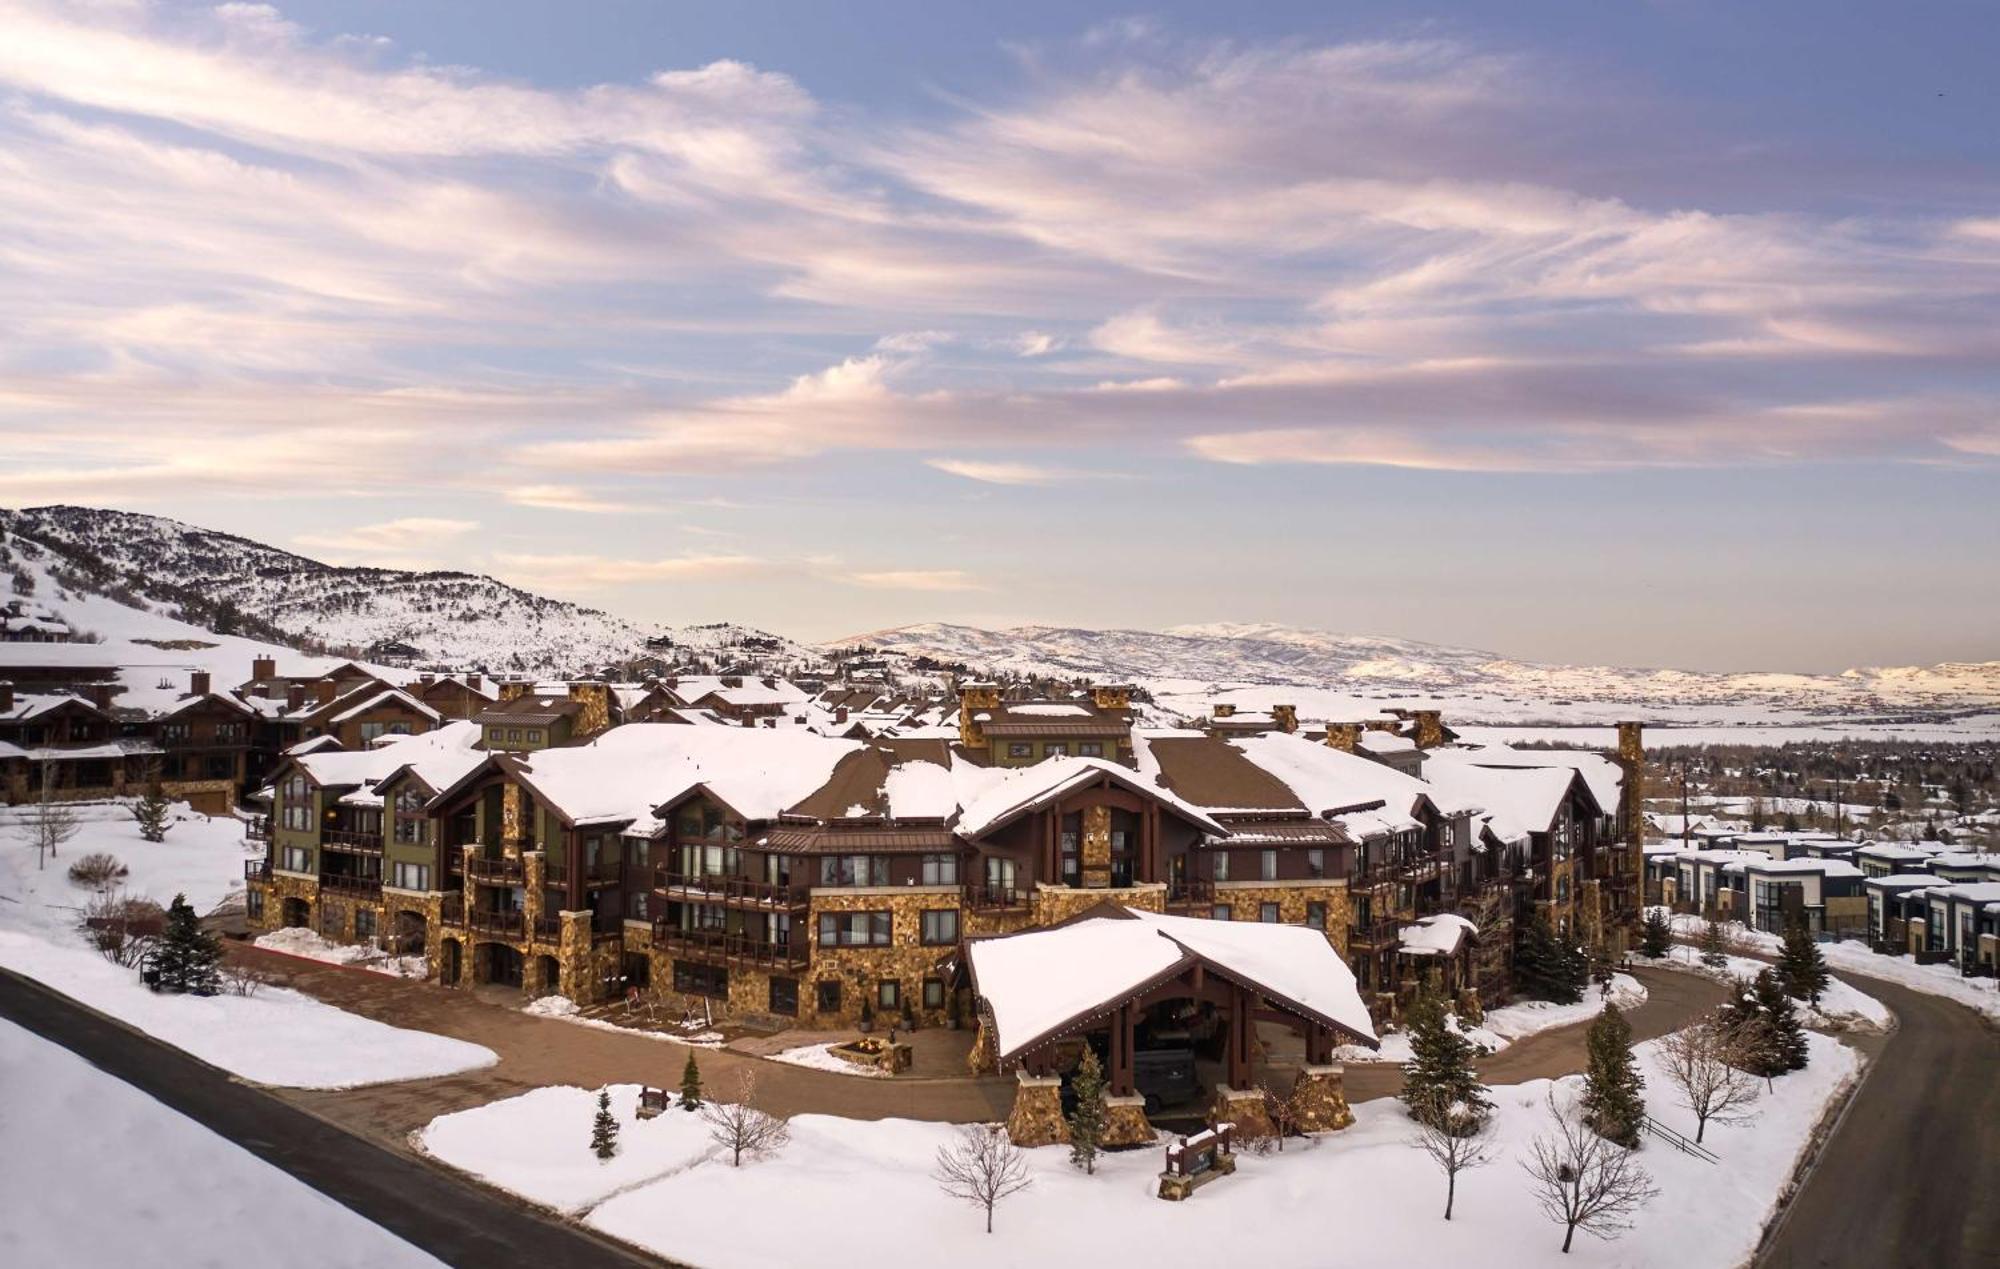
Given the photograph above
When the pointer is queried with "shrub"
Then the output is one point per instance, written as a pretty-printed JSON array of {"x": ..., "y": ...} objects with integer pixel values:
[
  {"x": 122, "y": 928},
  {"x": 96, "y": 870}
]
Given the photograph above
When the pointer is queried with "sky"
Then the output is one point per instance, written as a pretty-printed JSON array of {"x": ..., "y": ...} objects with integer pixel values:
[{"x": 1640, "y": 334}]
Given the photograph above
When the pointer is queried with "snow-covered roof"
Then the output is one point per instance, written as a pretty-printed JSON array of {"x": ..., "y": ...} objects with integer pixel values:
[
  {"x": 440, "y": 757},
  {"x": 1604, "y": 776},
  {"x": 1438, "y": 935},
  {"x": 990, "y": 796},
  {"x": 629, "y": 770},
  {"x": 1376, "y": 741},
  {"x": 1041, "y": 982},
  {"x": 1519, "y": 799},
  {"x": 1821, "y": 867},
  {"x": 383, "y": 697},
  {"x": 1329, "y": 779}
]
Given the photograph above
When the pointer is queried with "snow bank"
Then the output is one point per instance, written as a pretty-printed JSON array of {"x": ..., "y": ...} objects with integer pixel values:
[
  {"x": 1982, "y": 995},
  {"x": 819, "y": 1058},
  {"x": 1841, "y": 1007},
  {"x": 563, "y": 1009},
  {"x": 299, "y": 941},
  {"x": 1513, "y": 1022},
  {"x": 171, "y": 1183},
  {"x": 1364, "y": 1191}
]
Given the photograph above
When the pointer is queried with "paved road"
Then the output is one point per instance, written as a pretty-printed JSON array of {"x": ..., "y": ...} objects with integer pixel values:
[
  {"x": 1912, "y": 1175},
  {"x": 459, "y": 1223}
]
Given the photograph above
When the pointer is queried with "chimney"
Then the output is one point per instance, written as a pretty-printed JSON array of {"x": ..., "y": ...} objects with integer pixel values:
[
  {"x": 473, "y": 681},
  {"x": 426, "y": 679},
  {"x": 1223, "y": 710},
  {"x": 98, "y": 694},
  {"x": 198, "y": 683},
  {"x": 839, "y": 714},
  {"x": 1344, "y": 736},
  {"x": 513, "y": 687},
  {"x": 1632, "y": 789},
  {"x": 1287, "y": 717},
  {"x": 6, "y": 697},
  {"x": 973, "y": 699},
  {"x": 323, "y": 691},
  {"x": 1430, "y": 728},
  {"x": 295, "y": 697},
  {"x": 1110, "y": 696},
  {"x": 769, "y": 682},
  {"x": 262, "y": 668}
]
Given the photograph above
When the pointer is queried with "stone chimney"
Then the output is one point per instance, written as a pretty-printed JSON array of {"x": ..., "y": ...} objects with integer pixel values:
[
  {"x": 426, "y": 679},
  {"x": 295, "y": 697},
  {"x": 839, "y": 714},
  {"x": 198, "y": 683},
  {"x": 262, "y": 668},
  {"x": 1224, "y": 710},
  {"x": 1110, "y": 696},
  {"x": 1632, "y": 789},
  {"x": 974, "y": 699},
  {"x": 1345, "y": 737},
  {"x": 324, "y": 691},
  {"x": 1287, "y": 717},
  {"x": 596, "y": 701},
  {"x": 1430, "y": 728},
  {"x": 513, "y": 687},
  {"x": 6, "y": 697}
]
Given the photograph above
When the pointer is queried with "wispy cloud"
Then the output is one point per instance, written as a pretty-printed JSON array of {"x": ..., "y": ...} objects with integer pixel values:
[
  {"x": 920, "y": 579},
  {"x": 561, "y": 573},
  {"x": 1001, "y": 473},
  {"x": 568, "y": 498},
  {"x": 411, "y": 542}
]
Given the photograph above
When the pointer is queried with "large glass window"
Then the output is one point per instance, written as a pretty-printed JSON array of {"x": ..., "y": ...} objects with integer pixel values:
[
  {"x": 295, "y": 805},
  {"x": 1315, "y": 863},
  {"x": 1267, "y": 865},
  {"x": 854, "y": 870},
  {"x": 855, "y": 929},
  {"x": 940, "y": 927},
  {"x": 410, "y": 876},
  {"x": 940, "y": 870}
]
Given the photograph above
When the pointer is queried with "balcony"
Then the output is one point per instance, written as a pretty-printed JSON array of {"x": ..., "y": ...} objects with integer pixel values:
[
  {"x": 257, "y": 829},
  {"x": 510, "y": 923},
  {"x": 1190, "y": 892},
  {"x": 256, "y": 870},
  {"x": 496, "y": 872},
  {"x": 174, "y": 742},
  {"x": 452, "y": 910},
  {"x": 548, "y": 929},
  {"x": 728, "y": 947},
  {"x": 710, "y": 887},
  {"x": 604, "y": 872},
  {"x": 981, "y": 898},
  {"x": 343, "y": 883},
  {"x": 348, "y": 841},
  {"x": 1375, "y": 935}
]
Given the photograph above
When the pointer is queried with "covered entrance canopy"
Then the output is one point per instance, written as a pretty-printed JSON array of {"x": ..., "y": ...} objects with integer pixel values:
[{"x": 1043, "y": 986}]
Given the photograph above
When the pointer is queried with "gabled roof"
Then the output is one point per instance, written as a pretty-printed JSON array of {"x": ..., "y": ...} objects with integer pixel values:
[
  {"x": 390, "y": 696},
  {"x": 1604, "y": 776},
  {"x": 992, "y": 797},
  {"x": 443, "y": 756}
]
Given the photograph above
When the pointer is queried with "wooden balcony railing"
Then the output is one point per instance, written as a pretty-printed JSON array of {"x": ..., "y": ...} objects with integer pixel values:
[
  {"x": 343, "y": 883},
  {"x": 604, "y": 872},
  {"x": 256, "y": 870},
  {"x": 728, "y": 946},
  {"x": 714, "y": 887},
  {"x": 496, "y": 872},
  {"x": 548, "y": 929},
  {"x": 175, "y": 741},
  {"x": 1191, "y": 891},
  {"x": 451, "y": 911},
  {"x": 349, "y": 841},
  {"x": 486, "y": 920},
  {"x": 984, "y": 898},
  {"x": 257, "y": 829},
  {"x": 1375, "y": 934}
]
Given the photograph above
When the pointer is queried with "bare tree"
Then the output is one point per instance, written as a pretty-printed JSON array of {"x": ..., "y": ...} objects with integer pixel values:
[
  {"x": 1457, "y": 1140},
  {"x": 1285, "y": 1109},
  {"x": 983, "y": 1168},
  {"x": 1583, "y": 1181},
  {"x": 48, "y": 822},
  {"x": 122, "y": 928},
  {"x": 1703, "y": 1063},
  {"x": 740, "y": 1127}
]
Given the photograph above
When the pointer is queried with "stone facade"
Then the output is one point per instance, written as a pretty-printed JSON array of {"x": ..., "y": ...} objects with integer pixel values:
[
  {"x": 1055, "y": 904},
  {"x": 1037, "y": 1118},
  {"x": 1246, "y": 900},
  {"x": 907, "y": 961},
  {"x": 1243, "y": 1107},
  {"x": 596, "y": 714},
  {"x": 1125, "y": 1122},
  {"x": 1320, "y": 1099},
  {"x": 1096, "y": 847}
]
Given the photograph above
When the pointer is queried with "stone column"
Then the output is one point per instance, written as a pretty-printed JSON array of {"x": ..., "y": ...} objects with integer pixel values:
[
  {"x": 513, "y": 820},
  {"x": 1037, "y": 1118},
  {"x": 1096, "y": 847},
  {"x": 1125, "y": 1122},
  {"x": 1243, "y": 1107},
  {"x": 1321, "y": 1099}
]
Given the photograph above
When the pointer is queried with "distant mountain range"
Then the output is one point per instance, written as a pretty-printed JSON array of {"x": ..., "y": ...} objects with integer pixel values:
[
  {"x": 238, "y": 586},
  {"x": 242, "y": 587}
]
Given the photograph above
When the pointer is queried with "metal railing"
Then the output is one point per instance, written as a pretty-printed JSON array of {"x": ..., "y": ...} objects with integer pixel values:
[
  {"x": 451, "y": 910},
  {"x": 548, "y": 929},
  {"x": 717, "y": 886},
  {"x": 604, "y": 872},
  {"x": 351, "y": 841},
  {"x": 257, "y": 829},
  {"x": 487, "y": 920},
  {"x": 1191, "y": 891},
  {"x": 727, "y": 945},
  {"x": 342, "y": 883},
  {"x": 991, "y": 898},
  {"x": 496, "y": 871},
  {"x": 256, "y": 870},
  {"x": 166, "y": 740},
  {"x": 1677, "y": 1141}
]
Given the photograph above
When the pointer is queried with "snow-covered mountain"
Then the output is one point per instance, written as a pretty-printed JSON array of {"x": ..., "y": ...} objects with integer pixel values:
[
  {"x": 237, "y": 586},
  {"x": 1190, "y": 665}
]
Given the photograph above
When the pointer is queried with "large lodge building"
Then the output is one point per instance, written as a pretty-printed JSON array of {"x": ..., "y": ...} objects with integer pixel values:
[{"x": 721, "y": 855}]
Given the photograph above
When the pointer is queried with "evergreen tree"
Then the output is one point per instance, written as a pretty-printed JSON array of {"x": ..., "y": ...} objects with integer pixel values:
[
  {"x": 604, "y": 1129},
  {"x": 1657, "y": 939},
  {"x": 1614, "y": 1103},
  {"x": 1787, "y": 1038},
  {"x": 1086, "y": 1122},
  {"x": 151, "y": 813},
  {"x": 690, "y": 1084},
  {"x": 1713, "y": 945},
  {"x": 1439, "y": 1074},
  {"x": 187, "y": 956},
  {"x": 1549, "y": 967},
  {"x": 1802, "y": 965},
  {"x": 1764, "y": 1026}
]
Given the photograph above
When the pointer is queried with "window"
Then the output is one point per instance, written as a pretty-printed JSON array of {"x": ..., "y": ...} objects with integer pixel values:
[
  {"x": 941, "y": 927},
  {"x": 1020, "y": 749},
  {"x": 1315, "y": 862},
  {"x": 534, "y": 736},
  {"x": 1267, "y": 913},
  {"x": 888, "y": 994},
  {"x": 514, "y": 735},
  {"x": 692, "y": 979},
  {"x": 785, "y": 996},
  {"x": 295, "y": 799},
  {"x": 410, "y": 876},
  {"x": 1221, "y": 866},
  {"x": 933, "y": 993},
  {"x": 1220, "y": 912},
  {"x": 1055, "y": 749},
  {"x": 411, "y": 826},
  {"x": 855, "y": 929},
  {"x": 1267, "y": 865},
  {"x": 635, "y": 906},
  {"x": 940, "y": 870},
  {"x": 854, "y": 870},
  {"x": 296, "y": 859},
  {"x": 253, "y": 903},
  {"x": 828, "y": 992},
  {"x": 364, "y": 923},
  {"x": 1316, "y": 915},
  {"x": 369, "y": 731},
  {"x": 1090, "y": 749}
]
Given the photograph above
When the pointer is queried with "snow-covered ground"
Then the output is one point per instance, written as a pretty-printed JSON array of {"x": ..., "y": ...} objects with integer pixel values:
[
  {"x": 1841, "y": 1006},
  {"x": 274, "y": 1037},
  {"x": 104, "y": 1175},
  {"x": 563, "y": 1009},
  {"x": 296, "y": 941},
  {"x": 1363, "y": 1197},
  {"x": 1505, "y": 1025},
  {"x": 1849, "y": 956},
  {"x": 818, "y": 1058}
]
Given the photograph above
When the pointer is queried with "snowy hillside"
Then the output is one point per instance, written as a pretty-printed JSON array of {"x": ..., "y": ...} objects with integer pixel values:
[
  {"x": 238, "y": 586},
  {"x": 1335, "y": 675}
]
